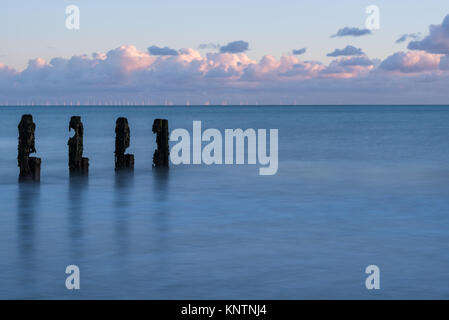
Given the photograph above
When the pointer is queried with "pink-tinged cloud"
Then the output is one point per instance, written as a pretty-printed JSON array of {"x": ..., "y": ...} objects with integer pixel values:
[
  {"x": 5, "y": 70},
  {"x": 7, "y": 75},
  {"x": 129, "y": 74},
  {"x": 287, "y": 68},
  {"x": 411, "y": 62},
  {"x": 127, "y": 59},
  {"x": 348, "y": 67}
]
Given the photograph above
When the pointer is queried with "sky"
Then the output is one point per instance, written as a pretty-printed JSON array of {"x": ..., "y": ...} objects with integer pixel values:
[{"x": 227, "y": 52}]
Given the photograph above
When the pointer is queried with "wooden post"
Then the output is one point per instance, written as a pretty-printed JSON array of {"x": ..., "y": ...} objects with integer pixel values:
[
  {"x": 161, "y": 154},
  {"x": 122, "y": 141},
  {"x": 30, "y": 167},
  {"x": 77, "y": 164}
]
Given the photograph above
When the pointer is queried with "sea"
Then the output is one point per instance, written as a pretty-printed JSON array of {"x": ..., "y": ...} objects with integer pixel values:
[{"x": 356, "y": 186}]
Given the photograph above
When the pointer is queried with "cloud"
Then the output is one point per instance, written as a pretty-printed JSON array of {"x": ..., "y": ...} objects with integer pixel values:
[
  {"x": 299, "y": 51},
  {"x": 165, "y": 51},
  {"x": 444, "y": 62},
  {"x": 411, "y": 62},
  {"x": 357, "y": 61},
  {"x": 129, "y": 74},
  {"x": 407, "y": 36},
  {"x": 437, "y": 41},
  {"x": 6, "y": 73},
  {"x": 235, "y": 47},
  {"x": 287, "y": 68},
  {"x": 348, "y": 67},
  {"x": 354, "y": 32},
  {"x": 205, "y": 46},
  {"x": 347, "y": 51},
  {"x": 123, "y": 60}
]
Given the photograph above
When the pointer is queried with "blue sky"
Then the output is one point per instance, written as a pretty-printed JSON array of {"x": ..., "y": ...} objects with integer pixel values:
[{"x": 36, "y": 29}]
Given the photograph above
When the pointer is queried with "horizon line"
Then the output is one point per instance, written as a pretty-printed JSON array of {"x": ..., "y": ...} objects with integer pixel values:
[{"x": 227, "y": 105}]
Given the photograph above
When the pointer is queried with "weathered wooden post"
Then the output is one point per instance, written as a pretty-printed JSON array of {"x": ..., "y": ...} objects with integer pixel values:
[
  {"x": 122, "y": 140},
  {"x": 77, "y": 164},
  {"x": 161, "y": 154},
  {"x": 30, "y": 167}
]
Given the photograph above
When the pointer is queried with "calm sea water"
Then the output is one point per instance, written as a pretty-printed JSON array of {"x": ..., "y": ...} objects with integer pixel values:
[{"x": 356, "y": 186}]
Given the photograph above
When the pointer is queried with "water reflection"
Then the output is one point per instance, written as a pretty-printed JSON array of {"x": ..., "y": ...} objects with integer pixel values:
[
  {"x": 161, "y": 181},
  {"x": 77, "y": 190},
  {"x": 28, "y": 202},
  {"x": 124, "y": 182},
  {"x": 161, "y": 186}
]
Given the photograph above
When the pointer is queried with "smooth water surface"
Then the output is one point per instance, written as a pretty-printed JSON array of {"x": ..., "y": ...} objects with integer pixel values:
[{"x": 356, "y": 186}]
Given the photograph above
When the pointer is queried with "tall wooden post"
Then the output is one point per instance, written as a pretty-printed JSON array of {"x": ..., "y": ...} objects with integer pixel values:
[
  {"x": 122, "y": 141},
  {"x": 77, "y": 164},
  {"x": 161, "y": 154},
  {"x": 30, "y": 167}
]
